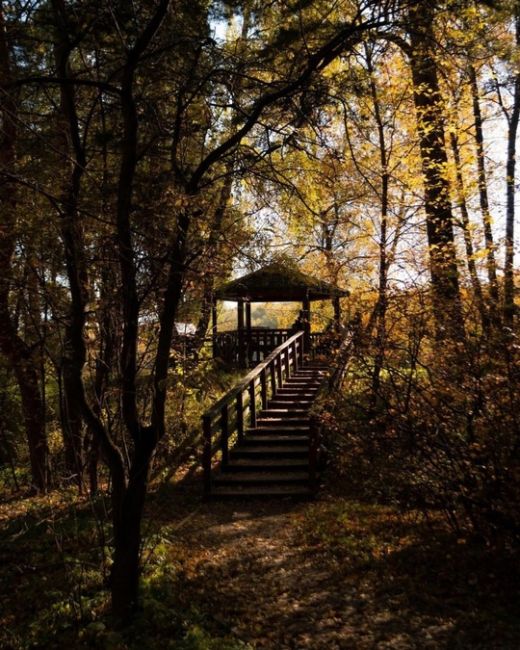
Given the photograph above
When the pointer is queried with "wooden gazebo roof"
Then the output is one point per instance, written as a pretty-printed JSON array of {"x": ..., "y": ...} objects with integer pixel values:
[{"x": 278, "y": 283}]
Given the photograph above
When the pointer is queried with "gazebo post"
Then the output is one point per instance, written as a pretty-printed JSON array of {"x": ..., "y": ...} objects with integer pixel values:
[
  {"x": 249, "y": 352},
  {"x": 240, "y": 327},
  {"x": 306, "y": 304},
  {"x": 214, "y": 325}
]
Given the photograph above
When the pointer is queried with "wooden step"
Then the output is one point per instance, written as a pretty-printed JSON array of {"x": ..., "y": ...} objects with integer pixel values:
[
  {"x": 275, "y": 438},
  {"x": 290, "y": 404},
  {"x": 302, "y": 385},
  {"x": 283, "y": 413},
  {"x": 270, "y": 451},
  {"x": 293, "y": 396},
  {"x": 291, "y": 392},
  {"x": 289, "y": 421},
  {"x": 261, "y": 478},
  {"x": 263, "y": 464},
  {"x": 304, "y": 399},
  {"x": 307, "y": 374},
  {"x": 298, "y": 388},
  {"x": 264, "y": 491},
  {"x": 282, "y": 429}
]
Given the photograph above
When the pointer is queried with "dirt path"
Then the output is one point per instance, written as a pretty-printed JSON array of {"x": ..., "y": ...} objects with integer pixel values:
[
  {"x": 266, "y": 589},
  {"x": 334, "y": 573},
  {"x": 275, "y": 576}
]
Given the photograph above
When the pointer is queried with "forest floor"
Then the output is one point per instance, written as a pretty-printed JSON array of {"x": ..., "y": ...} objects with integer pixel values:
[{"x": 332, "y": 573}]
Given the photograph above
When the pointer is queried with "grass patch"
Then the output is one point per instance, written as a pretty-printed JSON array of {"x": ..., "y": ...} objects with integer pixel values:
[{"x": 55, "y": 556}]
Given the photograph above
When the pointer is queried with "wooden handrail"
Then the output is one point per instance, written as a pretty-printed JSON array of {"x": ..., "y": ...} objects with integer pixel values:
[
  {"x": 268, "y": 375},
  {"x": 242, "y": 385}
]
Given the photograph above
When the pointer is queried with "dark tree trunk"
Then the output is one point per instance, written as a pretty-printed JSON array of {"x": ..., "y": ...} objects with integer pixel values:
[
  {"x": 72, "y": 423},
  {"x": 483, "y": 196},
  {"x": 124, "y": 578},
  {"x": 509, "y": 284},
  {"x": 128, "y": 505},
  {"x": 14, "y": 348},
  {"x": 106, "y": 354},
  {"x": 382, "y": 299},
  {"x": 34, "y": 418},
  {"x": 74, "y": 353},
  {"x": 439, "y": 220},
  {"x": 465, "y": 225}
]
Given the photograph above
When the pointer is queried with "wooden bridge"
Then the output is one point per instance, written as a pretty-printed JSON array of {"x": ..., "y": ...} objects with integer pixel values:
[{"x": 261, "y": 438}]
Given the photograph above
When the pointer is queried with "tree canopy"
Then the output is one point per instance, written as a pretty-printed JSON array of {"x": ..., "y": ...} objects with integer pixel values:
[{"x": 152, "y": 152}]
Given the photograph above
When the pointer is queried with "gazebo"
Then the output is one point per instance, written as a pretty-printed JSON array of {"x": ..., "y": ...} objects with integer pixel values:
[{"x": 276, "y": 282}]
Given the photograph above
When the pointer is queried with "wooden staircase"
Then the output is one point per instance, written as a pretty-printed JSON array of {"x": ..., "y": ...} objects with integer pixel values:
[
  {"x": 272, "y": 459},
  {"x": 260, "y": 438}
]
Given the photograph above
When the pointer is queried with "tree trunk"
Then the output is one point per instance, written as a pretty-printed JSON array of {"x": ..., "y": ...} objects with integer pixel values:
[
  {"x": 16, "y": 351},
  {"x": 124, "y": 578},
  {"x": 129, "y": 501},
  {"x": 74, "y": 353},
  {"x": 509, "y": 284},
  {"x": 382, "y": 300},
  {"x": 465, "y": 224},
  {"x": 439, "y": 220},
  {"x": 483, "y": 196},
  {"x": 106, "y": 353},
  {"x": 34, "y": 418}
]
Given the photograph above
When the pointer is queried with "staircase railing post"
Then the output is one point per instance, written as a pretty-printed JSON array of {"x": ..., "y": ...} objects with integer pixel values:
[
  {"x": 240, "y": 416},
  {"x": 263, "y": 388},
  {"x": 206, "y": 454},
  {"x": 279, "y": 371},
  {"x": 252, "y": 403}
]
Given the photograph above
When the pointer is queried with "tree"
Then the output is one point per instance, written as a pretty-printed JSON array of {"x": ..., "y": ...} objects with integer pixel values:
[
  {"x": 21, "y": 354},
  {"x": 430, "y": 127},
  {"x": 190, "y": 177}
]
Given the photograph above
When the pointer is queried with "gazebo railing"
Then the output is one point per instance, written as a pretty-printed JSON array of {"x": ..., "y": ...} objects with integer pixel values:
[
  {"x": 225, "y": 422},
  {"x": 255, "y": 344},
  {"x": 252, "y": 346}
]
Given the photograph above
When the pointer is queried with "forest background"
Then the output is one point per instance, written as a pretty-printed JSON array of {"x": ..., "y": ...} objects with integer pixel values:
[{"x": 150, "y": 151}]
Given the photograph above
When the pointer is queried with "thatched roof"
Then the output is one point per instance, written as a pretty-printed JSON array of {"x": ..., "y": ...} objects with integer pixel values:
[{"x": 278, "y": 283}]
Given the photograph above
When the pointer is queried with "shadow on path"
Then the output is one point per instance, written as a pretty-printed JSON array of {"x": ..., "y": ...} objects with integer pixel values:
[{"x": 272, "y": 574}]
